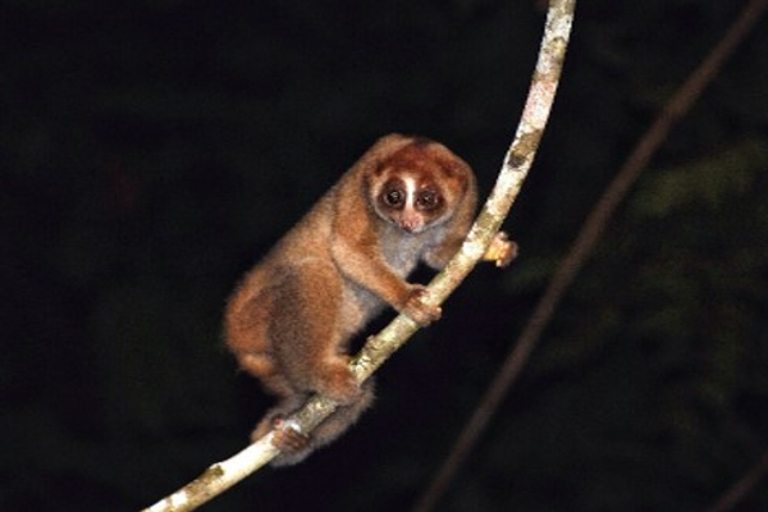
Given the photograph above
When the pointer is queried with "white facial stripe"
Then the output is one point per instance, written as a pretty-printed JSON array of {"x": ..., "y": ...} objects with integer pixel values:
[{"x": 410, "y": 192}]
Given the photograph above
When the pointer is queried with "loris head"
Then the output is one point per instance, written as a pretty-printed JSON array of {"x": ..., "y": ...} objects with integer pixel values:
[{"x": 419, "y": 185}]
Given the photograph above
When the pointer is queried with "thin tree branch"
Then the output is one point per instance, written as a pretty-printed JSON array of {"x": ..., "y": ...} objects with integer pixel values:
[
  {"x": 220, "y": 476},
  {"x": 743, "y": 487},
  {"x": 593, "y": 227}
]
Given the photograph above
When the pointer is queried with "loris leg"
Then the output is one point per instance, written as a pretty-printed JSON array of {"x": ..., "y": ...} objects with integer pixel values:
[
  {"x": 248, "y": 338},
  {"x": 296, "y": 447},
  {"x": 263, "y": 366},
  {"x": 307, "y": 334},
  {"x": 344, "y": 416}
]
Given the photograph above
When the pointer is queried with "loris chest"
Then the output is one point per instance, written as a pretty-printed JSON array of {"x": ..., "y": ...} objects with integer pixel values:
[
  {"x": 403, "y": 251},
  {"x": 402, "y": 255}
]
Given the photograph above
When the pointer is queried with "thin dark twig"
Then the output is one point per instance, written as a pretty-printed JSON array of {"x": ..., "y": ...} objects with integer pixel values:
[
  {"x": 743, "y": 487},
  {"x": 593, "y": 227}
]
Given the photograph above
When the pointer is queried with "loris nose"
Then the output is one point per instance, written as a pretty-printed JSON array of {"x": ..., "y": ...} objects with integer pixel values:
[{"x": 410, "y": 224}]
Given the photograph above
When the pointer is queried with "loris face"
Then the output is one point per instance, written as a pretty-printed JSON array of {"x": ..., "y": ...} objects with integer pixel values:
[{"x": 415, "y": 189}]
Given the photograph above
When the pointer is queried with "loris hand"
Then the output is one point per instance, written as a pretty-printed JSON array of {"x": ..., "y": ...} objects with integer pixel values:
[
  {"x": 417, "y": 309},
  {"x": 502, "y": 250}
]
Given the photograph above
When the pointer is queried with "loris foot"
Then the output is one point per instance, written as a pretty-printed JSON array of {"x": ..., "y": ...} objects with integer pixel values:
[
  {"x": 502, "y": 250},
  {"x": 286, "y": 438}
]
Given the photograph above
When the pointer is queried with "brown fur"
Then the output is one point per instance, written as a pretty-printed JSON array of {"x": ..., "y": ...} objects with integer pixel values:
[{"x": 290, "y": 320}]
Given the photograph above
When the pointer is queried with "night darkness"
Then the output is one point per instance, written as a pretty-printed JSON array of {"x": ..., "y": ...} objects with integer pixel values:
[{"x": 151, "y": 151}]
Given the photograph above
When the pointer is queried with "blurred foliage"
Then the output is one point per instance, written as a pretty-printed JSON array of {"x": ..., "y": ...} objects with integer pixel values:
[{"x": 152, "y": 150}]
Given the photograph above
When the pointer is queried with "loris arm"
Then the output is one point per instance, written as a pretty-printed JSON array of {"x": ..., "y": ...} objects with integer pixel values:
[
  {"x": 361, "y": 260},
  {"x": 501, "y": 252}
]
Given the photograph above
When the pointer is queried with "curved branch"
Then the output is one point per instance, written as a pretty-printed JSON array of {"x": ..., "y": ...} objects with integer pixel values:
[
  {"x": 221, "y": 476},
  {"x": 591, "y": 231}
]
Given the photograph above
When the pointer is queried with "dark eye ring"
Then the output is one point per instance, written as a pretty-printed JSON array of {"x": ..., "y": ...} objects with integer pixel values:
[
  {"x": 393, "y": 197},
  {"x": 428, "y": 200}
]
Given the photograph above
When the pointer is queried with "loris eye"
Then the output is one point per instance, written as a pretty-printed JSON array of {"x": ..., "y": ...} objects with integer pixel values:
[
  {"x": 427, "y": 200},
  {"x": 394, "y": 197}
]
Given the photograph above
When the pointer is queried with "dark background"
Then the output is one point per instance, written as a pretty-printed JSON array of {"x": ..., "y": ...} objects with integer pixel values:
[{"x": 150, "y": 151}]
